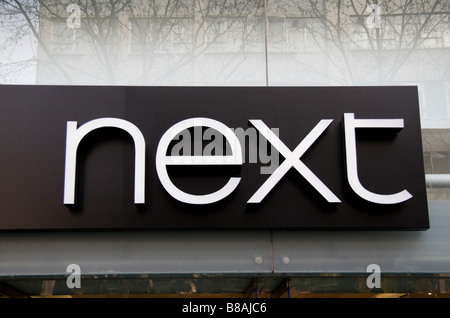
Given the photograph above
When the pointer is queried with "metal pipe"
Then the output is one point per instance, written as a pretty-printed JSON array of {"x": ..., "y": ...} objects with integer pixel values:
[{"x": 437, "y": 180}]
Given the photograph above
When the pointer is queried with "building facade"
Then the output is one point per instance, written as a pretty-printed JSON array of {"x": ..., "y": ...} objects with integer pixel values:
[{"x": 236, "y": 43}]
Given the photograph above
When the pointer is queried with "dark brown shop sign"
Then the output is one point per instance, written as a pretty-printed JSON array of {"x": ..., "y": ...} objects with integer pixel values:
[{"x": 350, "y": 158}]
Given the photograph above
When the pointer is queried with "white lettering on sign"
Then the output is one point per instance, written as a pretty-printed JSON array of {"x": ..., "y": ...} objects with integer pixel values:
[
  {"x": 292, "y": 158},
  {"x": 162, "y": 161},
  {"x": 73, "y": 139},
  {"x": 350, "y": 124}
]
